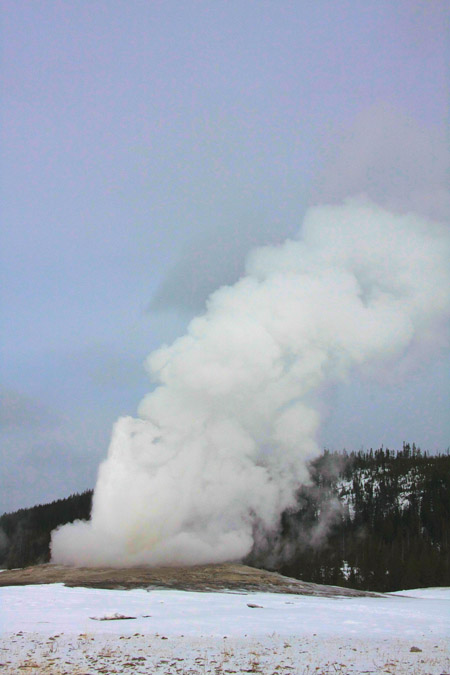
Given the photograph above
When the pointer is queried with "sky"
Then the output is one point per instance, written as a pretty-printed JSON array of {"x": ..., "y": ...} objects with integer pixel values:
[{"x": 147, "y": 147}]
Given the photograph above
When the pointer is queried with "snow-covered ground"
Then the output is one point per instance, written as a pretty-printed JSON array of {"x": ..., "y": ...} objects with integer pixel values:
[{"x": 54, "y": 629}]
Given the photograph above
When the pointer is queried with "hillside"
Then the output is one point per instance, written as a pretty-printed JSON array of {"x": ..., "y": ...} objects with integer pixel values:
[
  {"x": 377, "y": 520},
  {"x": 197, "y": 578}
]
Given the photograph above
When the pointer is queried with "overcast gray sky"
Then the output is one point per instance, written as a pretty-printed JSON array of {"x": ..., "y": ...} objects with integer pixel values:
[{"x": 146, "y": 148}]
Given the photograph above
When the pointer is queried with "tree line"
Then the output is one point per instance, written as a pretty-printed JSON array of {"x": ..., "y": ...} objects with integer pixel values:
[
  {"x": 376, "y": 520},
  {"x": 25, "y": 534}
]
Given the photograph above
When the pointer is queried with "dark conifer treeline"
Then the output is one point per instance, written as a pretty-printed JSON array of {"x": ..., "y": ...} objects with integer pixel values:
[
  {"x": 377, "y": 520},
  {"x": 371, "y": 520},
  {"x": 25, "y": 534}
]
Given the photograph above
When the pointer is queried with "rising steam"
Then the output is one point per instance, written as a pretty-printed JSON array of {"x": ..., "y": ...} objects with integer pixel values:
[{"x": 222, "y": 442}]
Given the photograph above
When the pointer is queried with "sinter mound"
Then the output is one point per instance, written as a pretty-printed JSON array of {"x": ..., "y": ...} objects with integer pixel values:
[{"x": 222, "y": 577}]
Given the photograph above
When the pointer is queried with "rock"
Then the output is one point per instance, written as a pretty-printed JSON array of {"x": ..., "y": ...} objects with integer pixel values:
[{"x": 111, "y": 617}]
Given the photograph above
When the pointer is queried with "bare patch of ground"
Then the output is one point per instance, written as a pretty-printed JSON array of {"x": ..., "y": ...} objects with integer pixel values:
[
  {"x": 222, "y": 577},
  {"x": 154, "y": 654}
]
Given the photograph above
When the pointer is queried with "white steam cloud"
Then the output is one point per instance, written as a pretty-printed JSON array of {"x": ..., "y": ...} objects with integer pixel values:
[{"x": 221, "y": 443}]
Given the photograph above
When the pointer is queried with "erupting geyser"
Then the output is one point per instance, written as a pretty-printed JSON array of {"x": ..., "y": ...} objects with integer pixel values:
[{"x": 221, "y": 442}]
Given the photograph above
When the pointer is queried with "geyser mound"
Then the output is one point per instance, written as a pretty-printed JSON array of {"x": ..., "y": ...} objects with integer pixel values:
[{"x": 221, "y": 443}]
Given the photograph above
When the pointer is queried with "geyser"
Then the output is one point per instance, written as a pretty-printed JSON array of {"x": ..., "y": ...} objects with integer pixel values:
[{"x": 222, "y": 441}]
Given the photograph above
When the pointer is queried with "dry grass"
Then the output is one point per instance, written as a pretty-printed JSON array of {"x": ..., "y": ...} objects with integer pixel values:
[
  {"x": 90, "y": 654},
  {"x": 226, "y": 576}
]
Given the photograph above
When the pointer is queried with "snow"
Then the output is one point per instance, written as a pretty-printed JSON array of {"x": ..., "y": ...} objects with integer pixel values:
[
  {"x": 436, "y": 593},
  {"x": 51, "y": 626},
  {"x": 406, "y": 486}
]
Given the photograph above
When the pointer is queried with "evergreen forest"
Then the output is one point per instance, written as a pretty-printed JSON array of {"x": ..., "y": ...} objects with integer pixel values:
[
  {"x": 25, "y": 534},
  {"x": 376, "y": 520}
]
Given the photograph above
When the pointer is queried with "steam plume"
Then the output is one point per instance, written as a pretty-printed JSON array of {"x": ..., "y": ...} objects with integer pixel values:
[{"x": 222, "y": 441}]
